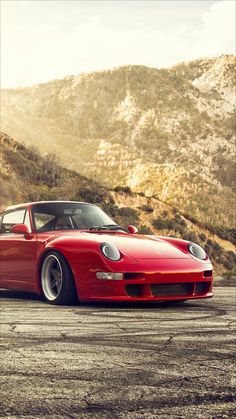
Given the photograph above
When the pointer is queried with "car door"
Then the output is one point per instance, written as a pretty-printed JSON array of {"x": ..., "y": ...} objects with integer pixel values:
[{"x": 17, "y": 251}]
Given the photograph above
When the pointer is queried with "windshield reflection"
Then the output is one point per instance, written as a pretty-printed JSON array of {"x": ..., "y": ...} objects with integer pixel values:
[{"x": 69, "y": 216}]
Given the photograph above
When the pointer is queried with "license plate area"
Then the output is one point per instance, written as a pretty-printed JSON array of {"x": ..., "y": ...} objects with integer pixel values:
[{"x": 166, "y": 290}]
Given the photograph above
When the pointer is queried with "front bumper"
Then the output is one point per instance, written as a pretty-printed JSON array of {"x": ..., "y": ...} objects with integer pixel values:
[{"x": 145, "y": 285}]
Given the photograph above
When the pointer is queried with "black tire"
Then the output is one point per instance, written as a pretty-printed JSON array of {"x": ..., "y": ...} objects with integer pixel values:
[{"x": 57, "y": 282}]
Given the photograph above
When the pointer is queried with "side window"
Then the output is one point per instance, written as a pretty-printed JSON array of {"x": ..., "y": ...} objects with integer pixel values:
[
  {"x": 10, "y": 219},
  {"x": 43, "y": 222}
]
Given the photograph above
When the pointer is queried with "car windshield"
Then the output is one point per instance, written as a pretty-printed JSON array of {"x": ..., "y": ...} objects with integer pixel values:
[{"x": 69, "y": 215}]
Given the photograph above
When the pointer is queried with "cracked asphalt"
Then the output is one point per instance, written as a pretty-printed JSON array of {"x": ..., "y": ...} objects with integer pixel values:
[{"x": 118, "y": 361}]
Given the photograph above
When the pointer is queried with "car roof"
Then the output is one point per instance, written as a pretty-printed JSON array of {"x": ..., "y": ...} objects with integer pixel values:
[{"x": 30, "y": 204}]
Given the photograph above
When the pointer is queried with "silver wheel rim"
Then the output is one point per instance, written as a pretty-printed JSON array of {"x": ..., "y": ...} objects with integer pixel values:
[{"x": 51, "y": 277}]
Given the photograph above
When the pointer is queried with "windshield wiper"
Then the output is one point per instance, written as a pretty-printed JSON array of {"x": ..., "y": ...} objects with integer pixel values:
[
  {"x": 112, "y": 227},
  {"x": 107, "y": 227}
]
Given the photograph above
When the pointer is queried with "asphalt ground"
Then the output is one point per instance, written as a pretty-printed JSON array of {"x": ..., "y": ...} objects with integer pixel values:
[{"x": 118, "y": 361}]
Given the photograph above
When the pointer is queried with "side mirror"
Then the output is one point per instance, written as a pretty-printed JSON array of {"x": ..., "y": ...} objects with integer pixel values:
[
  {"x": 132, "y": 229},
  {"x": 20, "y": 229}
]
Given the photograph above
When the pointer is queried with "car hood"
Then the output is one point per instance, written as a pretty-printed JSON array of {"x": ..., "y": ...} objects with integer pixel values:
[
  {"x": 135, "y": 246},
  {"x": 143, "y": 247}
]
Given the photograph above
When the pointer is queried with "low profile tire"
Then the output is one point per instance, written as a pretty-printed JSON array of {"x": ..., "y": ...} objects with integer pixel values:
[{"x": 57, "y": 281}]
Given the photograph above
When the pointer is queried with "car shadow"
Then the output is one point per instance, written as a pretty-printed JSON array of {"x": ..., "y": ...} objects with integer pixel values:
[
  {"x": 22, "y": 295},
  {"x": 19, "y": 295},
  {"x": 134, "y": 304}
]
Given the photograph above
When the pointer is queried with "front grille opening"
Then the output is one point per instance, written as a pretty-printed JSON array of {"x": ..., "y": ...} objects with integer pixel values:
[
  {"x": 202, "y": 287},
  {"x": 133, "y": 275},
  {"x": 166, "y": 290},
  {"x": 133, "y": 290},
  {"x": 207, "y": 274}
]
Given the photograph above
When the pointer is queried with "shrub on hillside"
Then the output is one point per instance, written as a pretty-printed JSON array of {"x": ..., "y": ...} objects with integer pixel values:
[
  {"x": 146, "y": 208},
  {"x": 178, "y": 224},
  {"x": 161, "y": 224},
  {"x": 144, "y": 230},
  {"x": 230, "y": 261},
  {"x": 125, "y": 189},
  {"x": 202, "y": 237},
  {"x": 127, "y": 212},
  {"x": 35, "y": 169},
  {"x": 124, "y": 216}
]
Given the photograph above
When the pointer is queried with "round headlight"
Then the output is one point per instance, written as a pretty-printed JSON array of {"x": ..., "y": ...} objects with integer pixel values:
[
  {"x": 110, "y": 251},
  {"x": 197, "y": 251}
]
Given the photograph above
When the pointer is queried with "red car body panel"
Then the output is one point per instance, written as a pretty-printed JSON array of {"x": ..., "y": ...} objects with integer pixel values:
[
  {"x": 154, "y": 268},
  {"x": 17, "y": 259}
]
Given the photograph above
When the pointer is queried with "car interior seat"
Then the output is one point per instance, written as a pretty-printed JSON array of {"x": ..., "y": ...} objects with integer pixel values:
[{"x": 63, "y": 223}]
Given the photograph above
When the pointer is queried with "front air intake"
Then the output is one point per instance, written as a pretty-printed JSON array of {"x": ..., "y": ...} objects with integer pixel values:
[
  {"x": 133, "y": 290},
  {"x": 202, "y": 287},
  {"x": 207, "y": 274}
]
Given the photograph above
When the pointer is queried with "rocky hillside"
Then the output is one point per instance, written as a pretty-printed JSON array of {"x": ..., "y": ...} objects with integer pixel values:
[
  {"x": 169, "y": 133},
  {"x": 26, "y": 176}
]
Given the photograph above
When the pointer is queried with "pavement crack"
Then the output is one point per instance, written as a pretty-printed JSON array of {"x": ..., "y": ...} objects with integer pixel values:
[
  {"x": 122, "y": 328},
  {"x": 19, "y": 351},
  {"x": 169, "y": 341},
  {"x": 232, "y": 322},
  {"x": 13, "y": 327}
]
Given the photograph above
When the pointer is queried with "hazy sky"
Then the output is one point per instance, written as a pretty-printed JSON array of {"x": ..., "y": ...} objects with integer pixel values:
[{"x": 42, "y": 40}]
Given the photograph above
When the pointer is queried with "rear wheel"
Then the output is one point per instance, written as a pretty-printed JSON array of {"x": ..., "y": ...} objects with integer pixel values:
[{"x": 57, "y": 281}]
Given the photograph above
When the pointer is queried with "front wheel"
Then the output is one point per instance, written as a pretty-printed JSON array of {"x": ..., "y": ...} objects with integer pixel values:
[{"x": 57, "y": 280}]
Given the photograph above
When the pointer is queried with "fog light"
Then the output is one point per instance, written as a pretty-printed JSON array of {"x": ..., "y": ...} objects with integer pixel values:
[{"x": 109, "y": 275}]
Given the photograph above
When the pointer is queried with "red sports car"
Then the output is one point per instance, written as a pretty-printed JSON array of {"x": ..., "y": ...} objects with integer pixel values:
[{"x": 73, "y": 250}]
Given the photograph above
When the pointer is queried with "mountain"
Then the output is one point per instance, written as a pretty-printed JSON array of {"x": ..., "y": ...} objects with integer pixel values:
[
  {"x": 27, "y": 176},
  {"x": 168, "y": 133}
]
